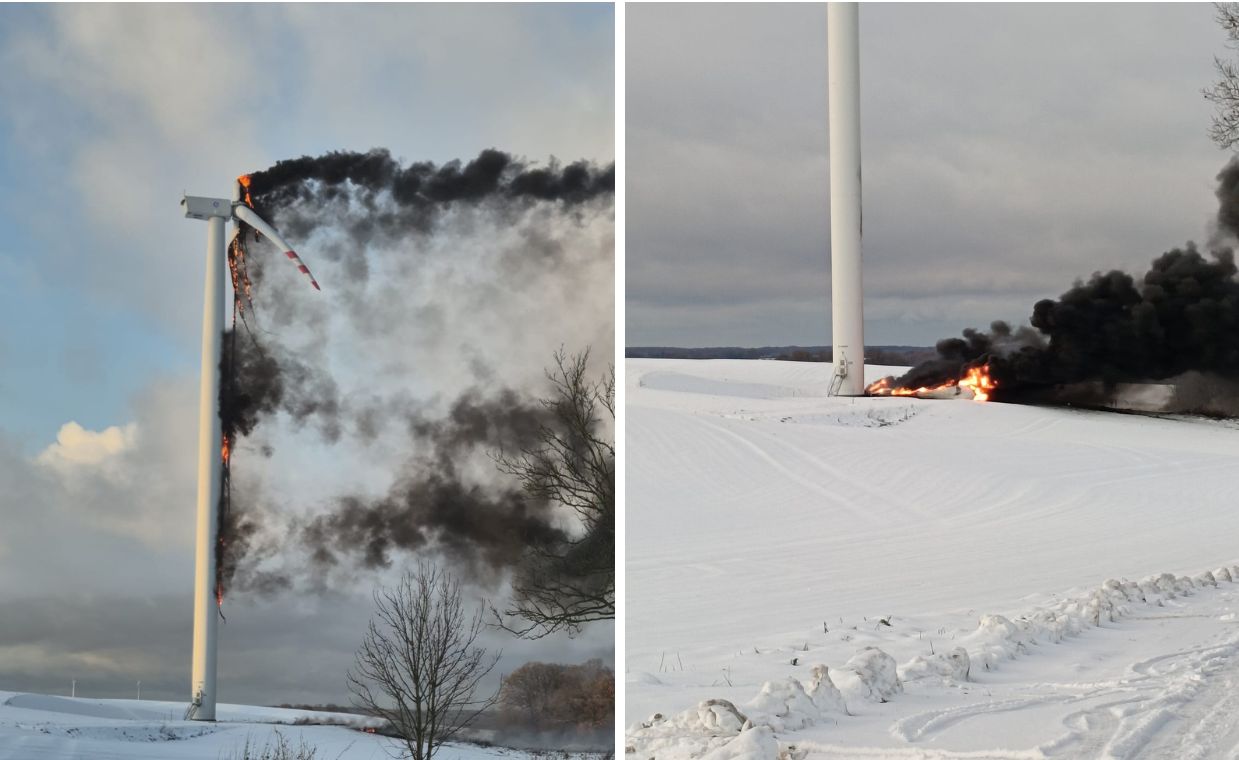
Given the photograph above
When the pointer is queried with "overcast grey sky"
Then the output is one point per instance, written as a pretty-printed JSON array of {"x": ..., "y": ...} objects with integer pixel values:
[
  {"x": 109, "y": 112},
  {"x": 1006, "y": 151}
]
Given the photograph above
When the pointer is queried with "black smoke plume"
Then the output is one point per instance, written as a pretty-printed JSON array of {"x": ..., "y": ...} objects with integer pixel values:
[
  {"x": 257, "y": 382},
  {"x": 1180, "y": 317},
  {"x": 393, "y": 200},
  {"x": 484, "y": 527},
  {"x": 447, "y": 496}
]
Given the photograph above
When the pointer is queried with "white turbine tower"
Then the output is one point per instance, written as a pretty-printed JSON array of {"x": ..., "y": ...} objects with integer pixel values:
[
  {"x": 846, "y": 297},
  {"x": 215, "y": 211}
]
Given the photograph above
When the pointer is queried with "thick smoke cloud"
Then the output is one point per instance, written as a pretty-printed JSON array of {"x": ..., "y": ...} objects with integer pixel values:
[
  {"x": 369, "y": 215},
  {"x": 1180, "y": 317},
  {"x": 481, "y": 527},
  {"x": 396, "y": 201},
  {"x": 258, "y": 381}
]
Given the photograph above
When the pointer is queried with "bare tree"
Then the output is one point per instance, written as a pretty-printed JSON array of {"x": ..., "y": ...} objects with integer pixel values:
[
  {"x": 419, "y": 666},
  {"x": 572, "y": 581},
  {"x": 1224, "y": 94}
]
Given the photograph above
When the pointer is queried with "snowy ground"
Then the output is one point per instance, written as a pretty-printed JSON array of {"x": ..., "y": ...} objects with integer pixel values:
[
  {"x": 40, "y": 727},
  {"x": 771, "y": 529}
]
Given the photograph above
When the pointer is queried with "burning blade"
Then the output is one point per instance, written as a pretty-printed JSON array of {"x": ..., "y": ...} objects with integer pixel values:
[{"x": 247, "y": 215}]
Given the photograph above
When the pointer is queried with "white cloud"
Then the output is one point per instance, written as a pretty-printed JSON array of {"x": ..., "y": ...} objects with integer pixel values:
[
  {"x": 134, "y": 481},
  {"x": 77, "y": 446}
]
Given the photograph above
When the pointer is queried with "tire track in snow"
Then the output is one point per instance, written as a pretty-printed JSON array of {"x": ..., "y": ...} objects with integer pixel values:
[
  {"x": 917, "y": 727},
  {"x": 1188, "y": 710},
  {"x": 1182, "y": 704},
  {"x": 1206, "y": 723},
  {"x": 820, "y": 751}
]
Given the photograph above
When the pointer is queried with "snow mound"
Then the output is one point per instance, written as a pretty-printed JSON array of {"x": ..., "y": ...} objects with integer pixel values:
[
  {"x": 955, "y": 665},
  {"x": 720, "y": 715},
  {"x": 823, "y": 691},
  {"x": 784, "y": 706},
  {"x": 878, "y": 674},
  {"x": 716, "y": 728},
  {"x": 757, "y": 743},
  {"x": 710, "y": 725},
  {"x": 1205, "y": 579},
  {"x": 998, "y": 638}
]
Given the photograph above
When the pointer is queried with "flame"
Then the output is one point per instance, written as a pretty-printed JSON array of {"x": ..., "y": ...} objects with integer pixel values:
[
  {"x": 225, "y": 450},
  {"x": 239, "y": 272},
  {"x": 976, "y": 379},
  {"x": 244, "y": 179},
  {"x": 219, "y": 595},
  {"x": 979, "y": 382}
]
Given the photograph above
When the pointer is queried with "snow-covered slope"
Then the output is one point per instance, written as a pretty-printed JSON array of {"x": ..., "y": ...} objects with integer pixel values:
[
  {"x": 770, "y": 529},
  {"x": 42, "y": 727}
]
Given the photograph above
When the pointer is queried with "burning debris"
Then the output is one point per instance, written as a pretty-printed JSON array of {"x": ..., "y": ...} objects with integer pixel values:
[
  {"x": 1176, "y": 324},
  {"x": 440, "y": 498},
  {"x": 976, "y": 381}
]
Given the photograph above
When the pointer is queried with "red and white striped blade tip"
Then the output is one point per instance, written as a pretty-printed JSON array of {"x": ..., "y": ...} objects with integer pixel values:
[{"x": 301, "y": 267}]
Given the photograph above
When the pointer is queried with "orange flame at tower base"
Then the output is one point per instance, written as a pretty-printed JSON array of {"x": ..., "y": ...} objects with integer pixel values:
[{"x": 976, "y": 379}]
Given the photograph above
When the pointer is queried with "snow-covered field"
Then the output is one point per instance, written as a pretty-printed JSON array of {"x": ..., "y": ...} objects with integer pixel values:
[
  {"x": 41, "y": 727},
  {"x": 1043, "y": 582}
]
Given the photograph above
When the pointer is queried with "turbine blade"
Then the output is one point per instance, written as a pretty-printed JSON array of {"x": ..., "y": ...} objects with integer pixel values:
[{"x": 247, "y": 215}]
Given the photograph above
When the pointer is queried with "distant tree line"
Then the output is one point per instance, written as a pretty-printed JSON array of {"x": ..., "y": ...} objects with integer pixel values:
[{"x": 545, "y": 696}]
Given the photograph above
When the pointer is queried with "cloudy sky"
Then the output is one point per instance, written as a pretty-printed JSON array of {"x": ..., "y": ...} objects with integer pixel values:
[
  {"x": 108, "y": 113},
  {"x": 1007, "y": 150}
]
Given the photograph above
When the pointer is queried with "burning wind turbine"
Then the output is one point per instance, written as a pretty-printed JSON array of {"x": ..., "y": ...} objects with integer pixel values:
[{"x": 213, "y": 471}]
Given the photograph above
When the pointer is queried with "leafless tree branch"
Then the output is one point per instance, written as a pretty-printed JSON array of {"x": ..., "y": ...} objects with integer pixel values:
[
  {"x": 1224, "y": 94},
  {"x": 572, "y": 582}
]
